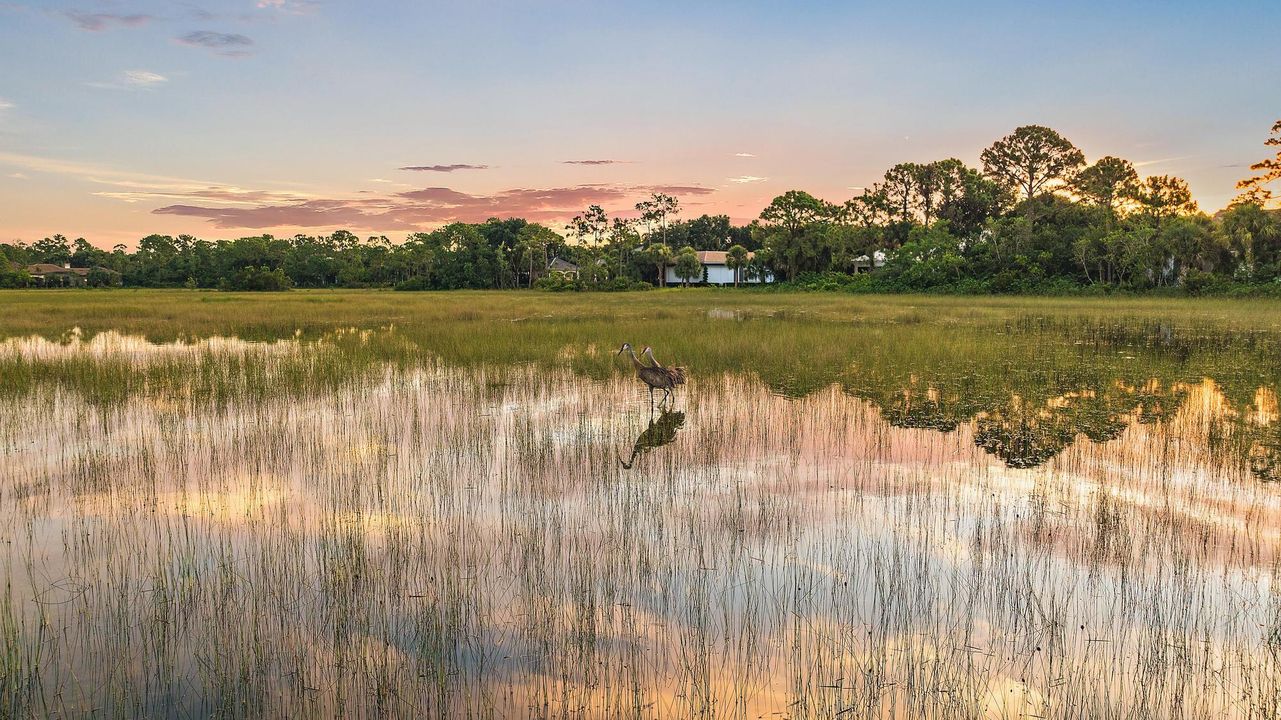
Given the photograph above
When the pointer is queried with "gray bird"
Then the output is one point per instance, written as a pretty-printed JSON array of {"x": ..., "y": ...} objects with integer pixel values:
[
  {"x": 655, "y": 377},
  {"x": 677, "y": 373}
]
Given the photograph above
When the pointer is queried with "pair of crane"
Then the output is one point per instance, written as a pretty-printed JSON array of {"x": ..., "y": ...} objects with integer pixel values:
[{"x": 654, "y": 375}]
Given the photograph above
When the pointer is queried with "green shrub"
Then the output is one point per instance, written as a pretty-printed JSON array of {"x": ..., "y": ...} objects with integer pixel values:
[
  {"x": 418, "y": 282},
  {"x": 259, "y": 279},
  {"x": 557, "y": 283}
]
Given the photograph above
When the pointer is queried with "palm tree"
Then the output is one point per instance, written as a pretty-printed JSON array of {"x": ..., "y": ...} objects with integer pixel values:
[
  {"x": 736, "y": 259},
  {"x": 688, "y": 266}
]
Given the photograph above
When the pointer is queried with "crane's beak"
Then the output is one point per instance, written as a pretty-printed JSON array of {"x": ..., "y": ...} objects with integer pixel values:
[{"x": 620, "y": 351}]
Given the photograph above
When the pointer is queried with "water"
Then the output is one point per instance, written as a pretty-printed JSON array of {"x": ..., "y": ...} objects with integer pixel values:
[{"x": 916, "y": 538}]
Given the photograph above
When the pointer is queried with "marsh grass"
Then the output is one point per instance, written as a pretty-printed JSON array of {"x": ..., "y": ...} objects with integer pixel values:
[{"x": 362, "y": 505}]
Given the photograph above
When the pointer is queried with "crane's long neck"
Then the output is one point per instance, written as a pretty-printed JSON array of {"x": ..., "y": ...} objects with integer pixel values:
[
  {"x": 650, "y": 354},
  {"x": 635, "y": 360}
]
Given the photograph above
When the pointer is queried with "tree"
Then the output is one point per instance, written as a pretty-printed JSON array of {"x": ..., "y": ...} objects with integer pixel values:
[
  {"x": 794, "y": 233},
  {"x": 503, "y": 238},
  {"x": 1031, "y": 250},
  {"x": 1193, "y": 245},
  {"x": 55, "y": 250},
  {"x": 736, "y": 260},
  {"x": 868, "y": 210},
  {"x": 1254, "y": 189},
  {"x": 259, "y": 279},
  {"x": 466, "y": 260},
  {"x": 84, "y": 254},
  {"x": 533, "y": 241},
  {"x": 899, "y": 190},
  {"x": 794, "y": 210},
  {"x": 1109, "y": 183},
  {"x": 13, "y": 277},
  {"x": 710, "y": 232},
  {"x": 1165, "y": 196},
  {"x": 102, "y": 277},
  {"x": 592, "y": 224},
  {"x": 1253, "y": 235},
  {"x": 660, "y": 256},
  {"x": 978, "y": 200},
  {"x": 623, "y": 239},
  {"x": 930, "y": 258},
  {"x": 687, "y": 265},
  {"x": 1031, "y": 160},
  {"x": 917, "y": 193},
  {"x": 657, "y": 209}
]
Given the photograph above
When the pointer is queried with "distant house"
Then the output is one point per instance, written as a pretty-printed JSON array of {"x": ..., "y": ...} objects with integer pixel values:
[
  {"x": 863, "y": 263},
  {"x": 563, "y": 268},
  {"x": 50, "y": 275},
  {"x": 716, "y": 271}
]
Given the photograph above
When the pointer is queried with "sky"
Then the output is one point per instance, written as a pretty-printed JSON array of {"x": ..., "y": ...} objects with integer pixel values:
[{"x": 229, "y": 118}]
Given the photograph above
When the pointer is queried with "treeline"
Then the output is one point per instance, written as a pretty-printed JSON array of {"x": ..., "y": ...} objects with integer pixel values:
[
  {"x": 1036, "y": 217},
  {"x": 499, "y": 254}
]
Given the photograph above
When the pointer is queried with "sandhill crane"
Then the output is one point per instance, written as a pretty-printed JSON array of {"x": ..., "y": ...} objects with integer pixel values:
[
  {"x": 677, "y": 373},
  {"x": 655, "y": 377}
]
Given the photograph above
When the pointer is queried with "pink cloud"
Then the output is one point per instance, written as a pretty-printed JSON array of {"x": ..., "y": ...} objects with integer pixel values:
[
  {"x": 428, "y": 207},
  {"x": 97, "y": 22},
  {"x": 444, "y": 168},
  {"x": 228, "y": 44}
]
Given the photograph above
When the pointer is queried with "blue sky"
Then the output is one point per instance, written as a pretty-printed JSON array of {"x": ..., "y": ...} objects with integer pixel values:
[{"x": 120, "y": 118}]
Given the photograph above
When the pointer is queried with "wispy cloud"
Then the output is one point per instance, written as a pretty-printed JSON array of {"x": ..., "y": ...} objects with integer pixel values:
[
  {"x": 220, "y": 194},
  {"x": 1147, "y": 163},
  {"x": 595, "y": 162},
  {"x": 744, "y": 155},
  {"x": 18, "y": 176},
  {"x": 144, "y": 78},
  {"x": 5, "y": 105},
  {"x": 745, "y": 179},
  {"x": 98, "y": 22},
  {"x": 294, "y": 7},
  {"x": 444, "y": 168},
  {"x": 226, "y": 44},
  {"x": 425, "y": 208},
  {"x": 132, "y": 187},
  {"x": 133, "y": 80}
]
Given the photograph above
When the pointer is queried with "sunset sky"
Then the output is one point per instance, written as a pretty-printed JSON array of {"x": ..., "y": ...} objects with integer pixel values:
[{"x": 225, "y": 118}]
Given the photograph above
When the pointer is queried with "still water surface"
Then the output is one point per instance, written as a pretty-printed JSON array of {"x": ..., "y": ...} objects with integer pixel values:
[{"x": 521, "y": 540}]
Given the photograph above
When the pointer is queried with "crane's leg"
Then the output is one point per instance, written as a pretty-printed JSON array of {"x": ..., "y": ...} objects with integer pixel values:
[{"x": 651, "y": 397}]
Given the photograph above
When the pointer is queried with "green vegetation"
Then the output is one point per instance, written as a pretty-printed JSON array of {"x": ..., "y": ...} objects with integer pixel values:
[{"x": 1036, "y": 219}]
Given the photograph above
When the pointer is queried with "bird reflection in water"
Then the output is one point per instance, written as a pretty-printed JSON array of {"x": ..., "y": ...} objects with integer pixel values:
[{"x": 661, "y": 431}]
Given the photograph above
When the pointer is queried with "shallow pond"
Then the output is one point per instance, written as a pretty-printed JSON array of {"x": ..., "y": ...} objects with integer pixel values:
[{"x": 1069, "y": 523}]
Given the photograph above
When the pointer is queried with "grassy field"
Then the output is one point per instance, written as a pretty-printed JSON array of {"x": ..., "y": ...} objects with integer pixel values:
[
  {"x": 170, "y": 313},
  {"x": 377, "y": 504},
  {"x": 796, "y": 343}
]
